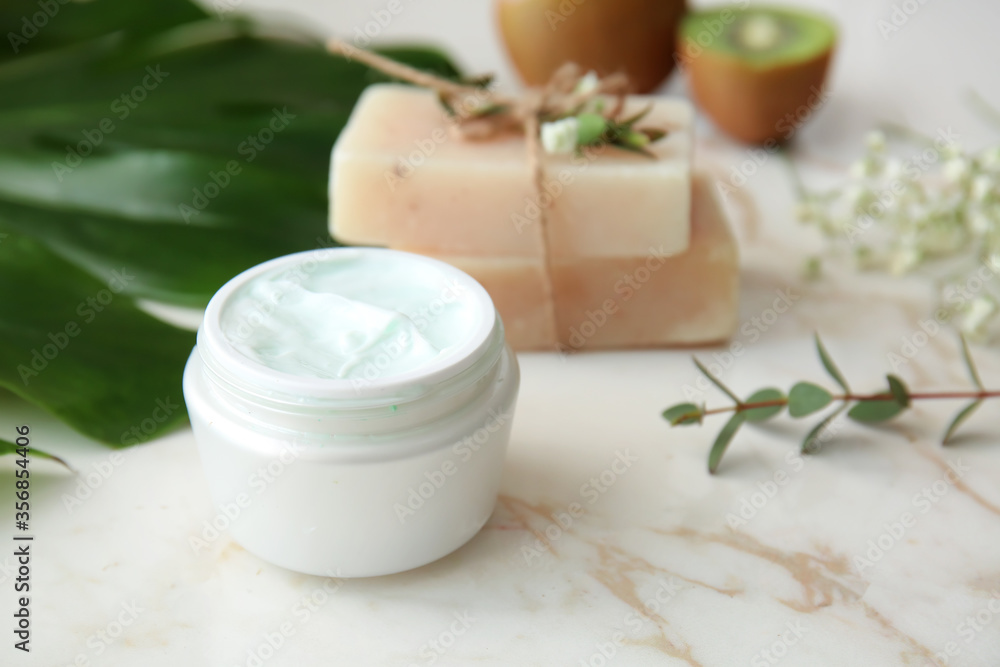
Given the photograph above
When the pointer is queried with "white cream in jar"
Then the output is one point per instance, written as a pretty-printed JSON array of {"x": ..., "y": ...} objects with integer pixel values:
[
  {"x": 353, "y": 316},
  {"x": 373, "y": 388}
]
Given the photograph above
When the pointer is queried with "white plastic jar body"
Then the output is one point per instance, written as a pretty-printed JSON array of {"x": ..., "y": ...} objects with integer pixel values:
[{"x": 332, "y": 478}]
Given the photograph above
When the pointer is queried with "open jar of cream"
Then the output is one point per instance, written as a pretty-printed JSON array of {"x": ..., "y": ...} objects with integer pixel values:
[{"x": 352, "y": 408}]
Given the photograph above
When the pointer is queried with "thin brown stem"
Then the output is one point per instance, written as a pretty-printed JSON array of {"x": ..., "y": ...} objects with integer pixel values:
[
  {"x": 945, "y": 395},
  {"x": 747, "y": 406}
]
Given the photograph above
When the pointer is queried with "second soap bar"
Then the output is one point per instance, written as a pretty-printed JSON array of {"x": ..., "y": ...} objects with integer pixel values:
[{"x": 641, "y": 301}]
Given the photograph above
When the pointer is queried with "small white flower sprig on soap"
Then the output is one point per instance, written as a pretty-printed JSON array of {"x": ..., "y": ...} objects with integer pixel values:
[
  {"x": 937, "y": 212},
  {"x": 587, "y": 125},
  {"x": 569, "y": 112},
  {"x": 806, "y": 398}
]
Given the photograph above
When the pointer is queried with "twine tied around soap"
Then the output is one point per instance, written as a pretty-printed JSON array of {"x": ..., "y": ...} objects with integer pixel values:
[{"x": 562, "y": 97}]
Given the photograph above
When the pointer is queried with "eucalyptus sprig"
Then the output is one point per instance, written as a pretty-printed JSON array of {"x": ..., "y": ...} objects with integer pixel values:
[{"x": 806, "y": 398}]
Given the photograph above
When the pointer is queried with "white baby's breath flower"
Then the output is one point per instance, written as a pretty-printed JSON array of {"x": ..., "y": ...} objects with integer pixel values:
[
  {"x": 894, "y": 169},
  {"x": 952, "y": 151},
  {"x": 805, "y": 211},
  {"x": 856, "y": 196},
  {"x": 993, "y": 262},
  {"x": 978, "y": 315},
  {"x": 979, "y": 223},
  {"x": 921, "y": 213},
  {"x": 990, "y": 158},
  {"x": 904, "y": 259},
  {"x": 875, "y": 141},
  {"x": 560, "y": 137},
  {"x": 588, "y": 83},
  {"x": 861, "y": 169},
  {"x": 956, "y": 169},
  {"x": 982, "y": 186}
]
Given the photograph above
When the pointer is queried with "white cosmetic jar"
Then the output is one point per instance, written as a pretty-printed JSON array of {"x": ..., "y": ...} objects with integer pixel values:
[{"x": 354, "y": 477}]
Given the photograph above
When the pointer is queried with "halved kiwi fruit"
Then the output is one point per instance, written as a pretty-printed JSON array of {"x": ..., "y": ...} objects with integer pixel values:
[{"x": 757, "y": 72}]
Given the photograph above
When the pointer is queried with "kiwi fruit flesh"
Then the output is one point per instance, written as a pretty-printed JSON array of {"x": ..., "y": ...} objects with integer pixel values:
[{"x": 758, "y": 72}]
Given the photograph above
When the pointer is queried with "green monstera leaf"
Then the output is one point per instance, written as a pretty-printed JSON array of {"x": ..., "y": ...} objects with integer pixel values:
[{"x": 150, "y": 155}]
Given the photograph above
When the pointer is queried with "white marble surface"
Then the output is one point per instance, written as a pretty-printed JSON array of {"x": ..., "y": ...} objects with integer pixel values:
[{"x": 651, "y": 572}]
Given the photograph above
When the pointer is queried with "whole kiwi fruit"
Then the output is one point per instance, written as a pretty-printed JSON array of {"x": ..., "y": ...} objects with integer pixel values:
[{"x": 636, "y": 37}]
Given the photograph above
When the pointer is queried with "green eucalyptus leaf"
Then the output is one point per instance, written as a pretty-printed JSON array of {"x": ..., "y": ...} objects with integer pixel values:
[
  {"x": 870, "y": 412},
  {"x": 489, "y": 110},
  {"x": 806, "y": 398},
  {"x": 634, "y": 138},
  {"x": 653, "y": 134},
  {"x": 683, "y": 414},
  {"x": 970, "y": 364},
  {"x": 831, "y": 367},
  {"x": 590, "y": 128},
  {"x": 899, "y": 391},
  {"x": 811, "y": 443},
  {"x": 11, "y": 448},
  {"x": 717, "y": 382},
  {"x": 722, "y": 441},
  {"x": 959, "y": 419},
  {"x": 765, "y": 413}
]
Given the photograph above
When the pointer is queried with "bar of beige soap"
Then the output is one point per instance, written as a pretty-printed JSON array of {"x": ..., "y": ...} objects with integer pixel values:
[
  {"x": 401, "y": 178},
  {"x": 649, "y": 299}
]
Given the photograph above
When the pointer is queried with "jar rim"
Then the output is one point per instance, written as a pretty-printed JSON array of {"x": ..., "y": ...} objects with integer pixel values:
[{"x": 234, "y": 367}]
